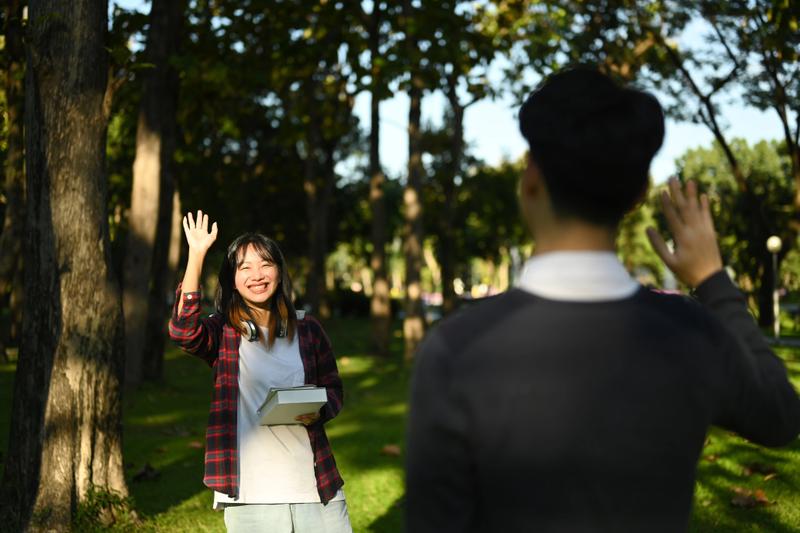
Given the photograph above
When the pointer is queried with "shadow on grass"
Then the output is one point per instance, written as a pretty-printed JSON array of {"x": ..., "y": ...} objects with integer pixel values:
[
  {"x": 165, "y": 429},
  {"x": 392, "y": 520}
]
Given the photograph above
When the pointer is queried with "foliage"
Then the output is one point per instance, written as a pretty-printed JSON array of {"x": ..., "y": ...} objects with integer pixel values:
[{"x": 634, "y": 248}]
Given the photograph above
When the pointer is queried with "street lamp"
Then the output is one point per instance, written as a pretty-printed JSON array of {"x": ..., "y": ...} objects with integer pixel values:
[{"x": 774, "y": 246}]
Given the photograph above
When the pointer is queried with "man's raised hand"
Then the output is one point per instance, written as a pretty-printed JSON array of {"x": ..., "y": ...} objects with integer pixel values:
[{"x": 696, "y": 253}]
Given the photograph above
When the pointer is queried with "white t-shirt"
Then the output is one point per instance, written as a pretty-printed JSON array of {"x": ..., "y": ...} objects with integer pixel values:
[{"x": 276, "y": 463}]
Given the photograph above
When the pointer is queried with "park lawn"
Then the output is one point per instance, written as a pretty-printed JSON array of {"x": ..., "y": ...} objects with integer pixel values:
[{"x": 165, "y": 423}]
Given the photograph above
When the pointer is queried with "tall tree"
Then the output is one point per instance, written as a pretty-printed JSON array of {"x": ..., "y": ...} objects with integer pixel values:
[
  {"x": 464, "y": 50},
  {"x": 413, "y": 321},
  {"x": 11, "y": 237},
  {"x": 66, "y": 413},
  {"x": 150, "y": 218},
  {"x": 375, "y": 23}
]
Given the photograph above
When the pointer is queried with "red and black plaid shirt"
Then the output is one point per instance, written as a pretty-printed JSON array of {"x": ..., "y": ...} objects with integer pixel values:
[{"x": 217, "y": 343}]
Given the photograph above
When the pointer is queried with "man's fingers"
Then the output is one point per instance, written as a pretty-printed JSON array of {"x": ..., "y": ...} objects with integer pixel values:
[
  {"x": 691, "y": 197},
  {"x": 191, "y": 220},
  {"x": 705, "y": 210},
  {"x": 676, "y": 192},
  {"x": 661, "y": 248},
  {"x": 673, "y": 218},
  {"x": 186, "y": 226},
  {"x": 214, "y": 231}
]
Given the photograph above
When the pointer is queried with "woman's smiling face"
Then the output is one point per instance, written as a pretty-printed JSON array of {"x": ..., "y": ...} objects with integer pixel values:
[{"x": 256, "y": 278}]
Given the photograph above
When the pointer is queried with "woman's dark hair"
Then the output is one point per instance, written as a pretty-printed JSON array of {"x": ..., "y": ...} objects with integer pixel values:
[
  {"x": 593, "y": 141},
  {"x": 232, "y": 306}
]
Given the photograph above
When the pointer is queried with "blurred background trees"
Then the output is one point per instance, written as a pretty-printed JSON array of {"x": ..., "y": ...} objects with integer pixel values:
[{"x": 245, "y": 109}]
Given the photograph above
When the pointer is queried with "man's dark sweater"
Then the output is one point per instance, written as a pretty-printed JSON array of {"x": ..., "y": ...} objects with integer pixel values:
[{"x": 529, "y": 414}]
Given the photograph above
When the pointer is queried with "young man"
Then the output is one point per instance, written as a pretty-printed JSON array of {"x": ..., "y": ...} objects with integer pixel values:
[{"x": 580, "y": 400}]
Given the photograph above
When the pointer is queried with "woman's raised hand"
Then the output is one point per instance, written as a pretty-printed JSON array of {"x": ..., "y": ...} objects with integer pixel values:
[
  {"x": 197, "y": 234},
  {"x": 696, "y": 255}
]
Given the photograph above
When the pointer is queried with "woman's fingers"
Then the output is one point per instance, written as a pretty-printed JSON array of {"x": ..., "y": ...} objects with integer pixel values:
[{"x": 214, "y": 231}]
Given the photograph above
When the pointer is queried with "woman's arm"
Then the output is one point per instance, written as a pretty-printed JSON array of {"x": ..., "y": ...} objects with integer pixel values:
[
  {"x": 327, "y": 373},
  {"x": 200, "y": 240},
  {"x": 194, "y": 335}
]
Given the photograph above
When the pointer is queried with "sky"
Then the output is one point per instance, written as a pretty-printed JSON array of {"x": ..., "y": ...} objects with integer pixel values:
[{"x": 492, "y": 133}]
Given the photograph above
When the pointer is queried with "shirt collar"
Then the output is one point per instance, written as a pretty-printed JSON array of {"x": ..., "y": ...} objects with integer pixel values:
[{"x": 577, "y": 276}]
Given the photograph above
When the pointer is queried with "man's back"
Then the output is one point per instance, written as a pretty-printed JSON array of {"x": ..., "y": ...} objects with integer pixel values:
[{"x": 542, "y": 415}]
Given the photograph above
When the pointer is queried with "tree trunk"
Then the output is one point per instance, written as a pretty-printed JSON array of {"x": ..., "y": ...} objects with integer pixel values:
[
  {"x": 162, "y": 293},
  {"x": 447, "y": 239},
  {"x": 65, "y": 425},
  {"x": 413, "y": 323},
  {"x": 14, "y": 216},
  {"x": 151, "y": 198},
  {"x": 318, "y": 185},
  {"x": 380, "y": 307}
]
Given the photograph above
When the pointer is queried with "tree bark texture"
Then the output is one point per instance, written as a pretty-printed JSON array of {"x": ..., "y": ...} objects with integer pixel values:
[
  {"x": 14, "y": 218},
  {"x": 145, "y": 266},
  {"x": 380, "y": 306},
  {"x": 66, "y": 413}
]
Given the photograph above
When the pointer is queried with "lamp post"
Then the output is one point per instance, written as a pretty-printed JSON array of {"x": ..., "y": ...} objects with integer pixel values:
[{"x": 774, "y": 246}]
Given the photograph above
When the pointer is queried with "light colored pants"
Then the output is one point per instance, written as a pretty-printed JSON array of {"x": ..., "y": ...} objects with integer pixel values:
[{"x": 288, "y": 518}]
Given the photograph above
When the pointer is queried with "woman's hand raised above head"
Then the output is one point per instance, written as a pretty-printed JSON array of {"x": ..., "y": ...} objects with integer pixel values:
[{"x": 198, "y": 236}]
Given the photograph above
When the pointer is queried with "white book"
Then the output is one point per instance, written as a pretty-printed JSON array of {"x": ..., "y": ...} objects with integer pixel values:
[{"x": 282, "y": 405}]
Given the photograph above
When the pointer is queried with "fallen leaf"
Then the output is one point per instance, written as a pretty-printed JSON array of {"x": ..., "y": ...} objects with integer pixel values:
[
  {"x": 768, "y": 477},
  {"x": 392, "y": 450},
  {"x": 344, "y": 361},
  {"x": 161, "y": 449},
  {"x": 711, "y": 458},
  {"x": 146, "y": 473},
  {"x": 195, "y": 444},
  {"x": 748, "y": 499},
  {"x": 758, "y": 468}
]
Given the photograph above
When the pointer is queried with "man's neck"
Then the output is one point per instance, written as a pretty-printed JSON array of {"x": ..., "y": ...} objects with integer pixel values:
[{"x": 574, "y": 236}]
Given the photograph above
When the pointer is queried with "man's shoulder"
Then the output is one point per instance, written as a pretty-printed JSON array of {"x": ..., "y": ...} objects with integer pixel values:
[{"x": 476, "y": 317}]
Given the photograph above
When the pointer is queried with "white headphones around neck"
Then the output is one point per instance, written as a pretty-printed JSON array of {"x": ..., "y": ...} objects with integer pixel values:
[{"x": 252, "y": 330}]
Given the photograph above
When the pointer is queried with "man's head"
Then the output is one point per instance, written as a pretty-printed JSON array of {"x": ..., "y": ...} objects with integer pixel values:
[{"x": 591, "y": 142}]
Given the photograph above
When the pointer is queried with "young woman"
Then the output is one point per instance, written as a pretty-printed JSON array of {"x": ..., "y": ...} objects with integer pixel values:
[{"x": 275, "y": 478}]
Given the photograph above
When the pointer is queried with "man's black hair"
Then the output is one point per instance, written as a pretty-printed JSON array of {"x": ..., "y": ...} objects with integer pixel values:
[{"x": 593, "y": 141}]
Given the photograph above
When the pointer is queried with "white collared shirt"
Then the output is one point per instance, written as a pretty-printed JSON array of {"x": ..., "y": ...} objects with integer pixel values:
[{"x": 577, "y": 276}]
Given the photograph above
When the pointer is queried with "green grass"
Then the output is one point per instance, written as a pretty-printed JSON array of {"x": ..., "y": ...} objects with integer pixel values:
[
  {"x": 165, "y": 424},
  {"x": 723, "y": 469}
]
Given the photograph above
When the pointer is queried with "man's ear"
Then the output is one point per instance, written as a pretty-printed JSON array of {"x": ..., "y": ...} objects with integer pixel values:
[{"x": 530, "y": 184}]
